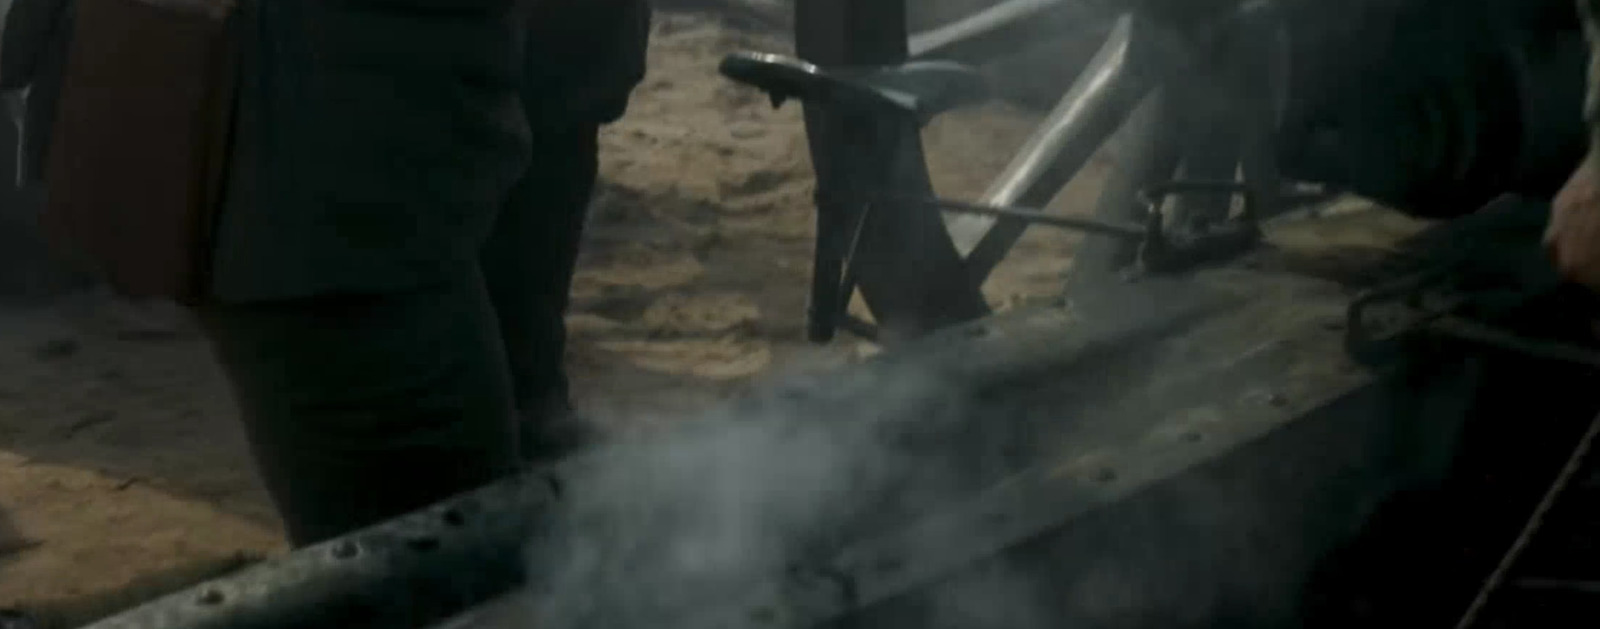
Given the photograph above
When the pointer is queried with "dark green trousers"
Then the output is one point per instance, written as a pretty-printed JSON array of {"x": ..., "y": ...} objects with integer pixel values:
[{"x": 359, "y": 408}]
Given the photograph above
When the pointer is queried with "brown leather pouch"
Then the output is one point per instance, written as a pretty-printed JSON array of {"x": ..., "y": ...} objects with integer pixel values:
[{"x": 139, "y": 149}]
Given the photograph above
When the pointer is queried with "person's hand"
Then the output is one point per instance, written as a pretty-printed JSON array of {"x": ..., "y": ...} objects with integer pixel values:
[{"x": 1573, "y": 236}]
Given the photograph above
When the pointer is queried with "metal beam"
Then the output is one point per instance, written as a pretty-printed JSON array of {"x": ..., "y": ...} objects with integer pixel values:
[{"x": 1096, "y": 105}]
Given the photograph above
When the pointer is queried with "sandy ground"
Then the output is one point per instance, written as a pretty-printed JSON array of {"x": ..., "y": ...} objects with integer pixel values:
[{"x": 119, "y": 450}]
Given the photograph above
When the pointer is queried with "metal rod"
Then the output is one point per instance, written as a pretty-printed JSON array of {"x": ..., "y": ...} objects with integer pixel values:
[
  {"x": 1086, "y": 116},
  {"x": 1027, "y": 215},
  {"x": 1149, "y": 153},
  {"x": 983, "y": 23},
  {"x": 1531, "y": 528},
  {"x": 1478, "y": 333}
]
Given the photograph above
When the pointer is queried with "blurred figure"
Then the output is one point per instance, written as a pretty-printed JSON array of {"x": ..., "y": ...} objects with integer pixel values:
[
  {"x": 582, "y": 61},
  {"x": 392, "y": 260},
  {"x": 393, "y": 264}
]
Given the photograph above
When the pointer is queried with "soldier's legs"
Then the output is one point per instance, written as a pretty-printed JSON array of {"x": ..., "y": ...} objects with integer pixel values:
[
  {"x": 359, "y": 409},
  {"x": 528, "y": 263}
]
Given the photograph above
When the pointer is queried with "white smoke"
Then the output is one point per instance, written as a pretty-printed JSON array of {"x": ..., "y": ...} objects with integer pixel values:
[{"x": 652, "y": 531}]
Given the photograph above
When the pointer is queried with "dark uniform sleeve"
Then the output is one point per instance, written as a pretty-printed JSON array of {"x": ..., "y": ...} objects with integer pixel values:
[
  {"x": 583, "y": 59},
  {"x": 381, "y": 137}
]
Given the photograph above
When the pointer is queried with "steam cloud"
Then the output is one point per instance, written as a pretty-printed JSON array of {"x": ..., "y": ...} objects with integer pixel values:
[{"x": 656, "y": 533}]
